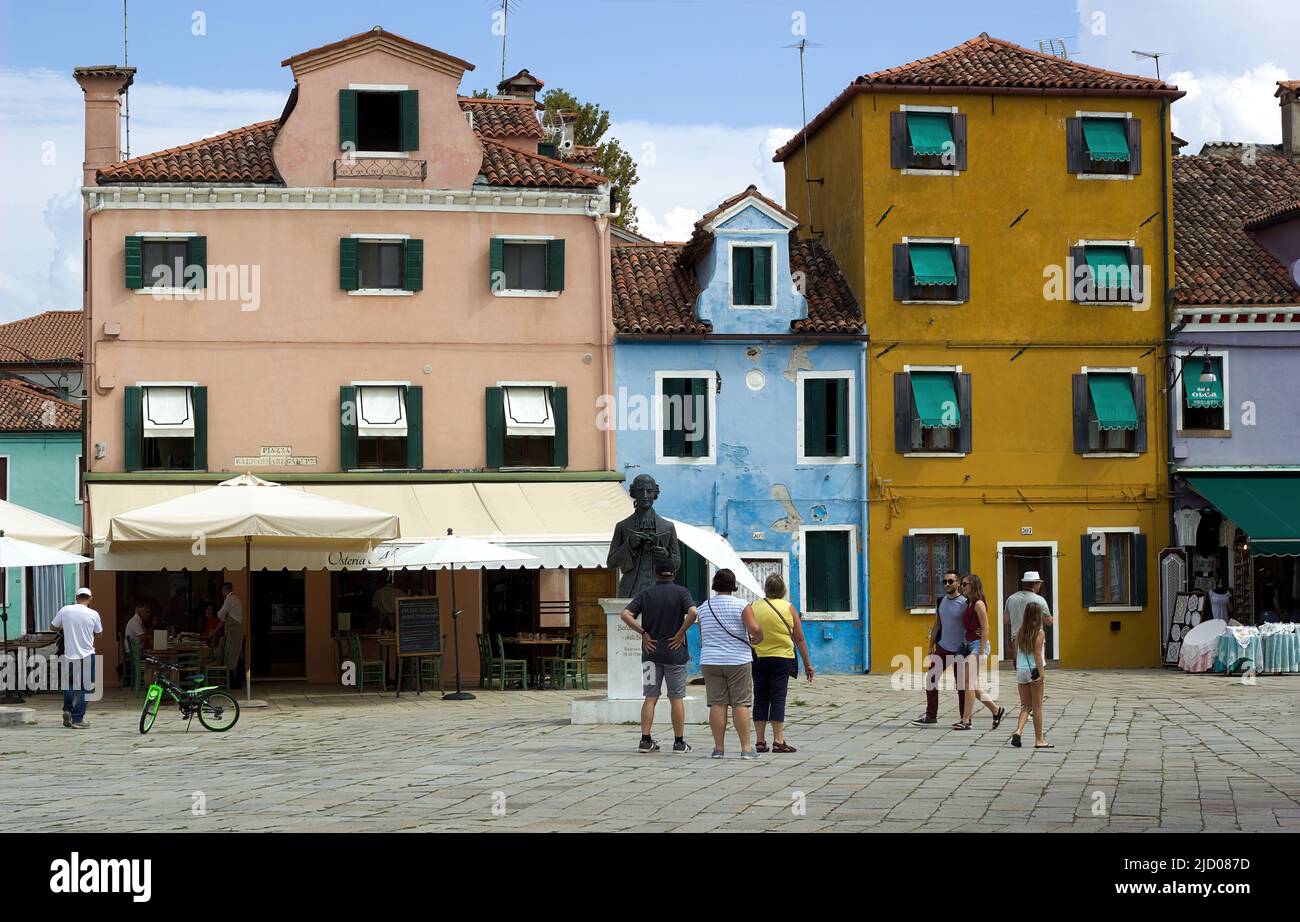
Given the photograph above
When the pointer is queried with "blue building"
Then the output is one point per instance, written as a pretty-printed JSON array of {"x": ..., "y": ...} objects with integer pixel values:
[{"x": 739, "y": 360}]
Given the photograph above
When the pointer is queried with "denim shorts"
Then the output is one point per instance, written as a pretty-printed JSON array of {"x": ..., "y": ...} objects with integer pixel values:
[{"x": 972, "y": 648}]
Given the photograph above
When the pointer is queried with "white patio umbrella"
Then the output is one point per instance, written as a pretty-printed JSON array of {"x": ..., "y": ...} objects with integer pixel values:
[
  {"x": 27, "y": 525},
  {"x": 451, "y": 553},
  {"x": 17, "y": 554},
  {"x": 718, "y": 551},
  {"x": 245, "y": 509}
]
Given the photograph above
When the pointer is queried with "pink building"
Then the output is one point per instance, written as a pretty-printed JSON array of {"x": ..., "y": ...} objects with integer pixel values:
[{"x": 385, "y": 294}]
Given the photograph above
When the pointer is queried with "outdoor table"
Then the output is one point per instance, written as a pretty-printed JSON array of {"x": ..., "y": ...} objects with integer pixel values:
[
  {"x": 534, "y": 648},
  {"x": 387, "y": 644},
  {"x": 1270, "y": 648}
]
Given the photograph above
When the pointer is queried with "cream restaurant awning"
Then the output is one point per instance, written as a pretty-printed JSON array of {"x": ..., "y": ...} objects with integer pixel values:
[
  {"x": 561, "y": 524},
  {"x": 27, "y": 525}
]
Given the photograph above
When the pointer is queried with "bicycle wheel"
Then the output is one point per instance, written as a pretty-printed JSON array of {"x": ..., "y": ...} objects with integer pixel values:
[
  {"x": 150, "y": 709},
  {"x": 218, "y": 712}
]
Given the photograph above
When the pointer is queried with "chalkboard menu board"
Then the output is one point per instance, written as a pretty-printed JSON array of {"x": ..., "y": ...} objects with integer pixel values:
[{"x": 419, "y": 632}]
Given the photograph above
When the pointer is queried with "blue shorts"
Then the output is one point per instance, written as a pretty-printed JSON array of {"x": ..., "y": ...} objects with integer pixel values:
[{"x": 972, "y": 648}]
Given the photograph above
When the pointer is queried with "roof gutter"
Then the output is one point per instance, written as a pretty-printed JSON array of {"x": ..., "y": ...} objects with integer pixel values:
[{"x": 742, "y": 337}]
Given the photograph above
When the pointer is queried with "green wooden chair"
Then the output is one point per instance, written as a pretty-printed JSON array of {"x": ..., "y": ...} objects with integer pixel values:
[
  {"x": 430, "y": 672},
  {"x": 212, "y": 663},
  {"x": 135, "y": 665},
  {"x": 368, "y": 670},
  {"x": 487, "y": 664},
  {"x": 575, "y": 666},
  {"x": 510, "y": 670}
]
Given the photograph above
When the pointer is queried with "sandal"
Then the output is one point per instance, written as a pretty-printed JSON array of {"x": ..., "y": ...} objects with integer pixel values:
[
  {"x": 761, "y": 746},
  {"x": 1044, "y": 746},
  {"x": 997, "y": 718},
  {"x": 961, "y": 725},
  {"x": 783, "y": 747},
  {"x": 1015, "y": 740}
]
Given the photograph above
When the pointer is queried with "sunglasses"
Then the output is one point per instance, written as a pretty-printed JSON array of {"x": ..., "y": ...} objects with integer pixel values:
[{"x": 950, "y": 582}]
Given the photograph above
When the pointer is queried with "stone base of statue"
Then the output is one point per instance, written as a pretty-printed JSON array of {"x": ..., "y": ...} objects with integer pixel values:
[{"x": 621, "y": 704}]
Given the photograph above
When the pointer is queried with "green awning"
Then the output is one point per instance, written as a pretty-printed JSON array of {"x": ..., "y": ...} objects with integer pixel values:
[
  {"x": 932, "y": 264},
  {"x": 929, "y": 132},
  {"x": 1106, "y": 138},
  {"x": 1203, "y": 394},
  {"x": 1265, "y": 506},
  {"x": 1112, "y": 400},
  {"x": 936, "y": 399},
  {"x": 1110, "y": 269}
]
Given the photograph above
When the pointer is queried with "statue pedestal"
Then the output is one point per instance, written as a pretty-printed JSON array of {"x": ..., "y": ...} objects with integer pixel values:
[{"x": 622, "y": 701}]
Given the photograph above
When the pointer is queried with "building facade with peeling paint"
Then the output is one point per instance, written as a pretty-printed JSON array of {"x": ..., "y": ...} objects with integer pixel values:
[
  {"x": 1004, "y": 217},
  {"x": 738, "y": 363}
]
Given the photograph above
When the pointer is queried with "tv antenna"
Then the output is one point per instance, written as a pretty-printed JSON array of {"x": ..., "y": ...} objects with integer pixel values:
[
  {"x": 1055, "y": 47},
  {"x": 1153, "y": 55},
  {"x": 505, "y": 6},
  {"x": 803, "y": 44},
  {"x": 126, "y": 155}
]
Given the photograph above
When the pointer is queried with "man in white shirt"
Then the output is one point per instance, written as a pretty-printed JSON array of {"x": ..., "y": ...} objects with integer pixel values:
[
  {"x": 1031, "y": 584},
  {"x": 135, "y": 628},
  {"x": 79, "y": 624},
  {"x": 231, "y": 616}
]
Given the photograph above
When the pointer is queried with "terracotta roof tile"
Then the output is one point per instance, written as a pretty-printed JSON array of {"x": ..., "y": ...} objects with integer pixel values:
[
  {"x": 1239, "y": 149},
  {"x": 655, "y": 291},
  {"x": 654, "y": 294},
  {"x": 503, "y": 118},
  {"x": 1217, "y": 260},
  {"x": 505, "y": 166},
  {"x": 242, "y": 155},
  {"x": 51, "y": 336},
  {"x": 1284, "y": 86},
  {"x": 1274, "y": 214},
  {"x": 987, "y": 64},
  {"x": 26, "y": 407}
]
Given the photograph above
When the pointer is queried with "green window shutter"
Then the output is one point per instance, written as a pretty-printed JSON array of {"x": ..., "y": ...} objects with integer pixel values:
[
  {"x": 560, "y": 444},
  {"x": 409, "y": 101},
  {"x": 840, "y": 448},
  {"x": 495, "y": 423},
  {"x": 839, "y": 593},
  {"x": 762, "y": 275},
  {"x": 742, "y": 275},
  {"x": 698, "y": 389},
  {"x": 1088, "y": 570},
  {"x": 555, "y": 265},
  {"x": 909, "y": 555},
  {"x": 548, "y": 150},
  {"x": 413, "y": 265},
  {"x": 672, "y": 417},
  {"x": 348, "y": 263},
  {"x": 134, "y": 262},
  {"x": 693, "y": 574},
  {"x": 496, "y": 264},
  {"x": 963, "y": 554},
  {"x": 814, "y": 417},
  {"x": 196, "y": 257},
  {"x": 815, "y": 583},
  {"x": 347, "y": 119},
  {"x": 199, "y": 399},
  {"x": 415, "y": 427},
  {"x": 133, "y": 434},
  {"x": 347, "y": 427},
  {"x": 1137, "y": 561}
]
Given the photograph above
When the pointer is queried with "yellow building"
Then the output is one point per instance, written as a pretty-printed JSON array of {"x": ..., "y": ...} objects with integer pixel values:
[{"x": 1004, "y": 218}]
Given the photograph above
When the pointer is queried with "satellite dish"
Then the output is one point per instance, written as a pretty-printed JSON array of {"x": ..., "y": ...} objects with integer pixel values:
[{"x": 1295, "y": 272}]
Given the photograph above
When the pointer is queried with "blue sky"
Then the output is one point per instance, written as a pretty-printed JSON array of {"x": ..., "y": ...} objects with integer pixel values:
[{"x": 701, "y": 91}]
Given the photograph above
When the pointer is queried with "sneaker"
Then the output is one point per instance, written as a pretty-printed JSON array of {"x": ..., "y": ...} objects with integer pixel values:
[
  {"x": 682, "y": 746},
  {"x": 717, "y": 754},
  {"x": 923, "y": 721},
  {"x": 647, "y": 746},
  {"x": 67, "y": 719},
  {"x": 750, "y": 754},
  {"x": 81, "y": 725}
]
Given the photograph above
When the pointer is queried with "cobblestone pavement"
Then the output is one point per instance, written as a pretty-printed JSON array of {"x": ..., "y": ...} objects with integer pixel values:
[{"x": 1135, "y": 751}]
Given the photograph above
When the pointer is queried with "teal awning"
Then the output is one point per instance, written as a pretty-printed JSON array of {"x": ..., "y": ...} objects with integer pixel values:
[
  {"x": 1266, "y": 507},
  {"x": 932, "y": 264},
  {"x": 1106, "y": 138},
  {"x": 1110, "y": 269},
  {"x": 936, "y": 399},
  {"x": 1203, "y": 394},
  {"x": 1112, "y": 400},
  {"x": 929, "y": 132}
]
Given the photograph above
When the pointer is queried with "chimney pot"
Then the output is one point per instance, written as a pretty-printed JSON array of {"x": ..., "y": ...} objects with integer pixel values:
[{"x": 103, "y": 86}]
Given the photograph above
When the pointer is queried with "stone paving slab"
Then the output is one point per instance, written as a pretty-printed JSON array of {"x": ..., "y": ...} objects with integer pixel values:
[{"x": 1139, "y": 750}]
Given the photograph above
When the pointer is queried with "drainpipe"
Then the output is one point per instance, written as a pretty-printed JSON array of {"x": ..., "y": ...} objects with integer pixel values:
[
  {"x": 865, "y": 597},
  {"x": 604, "y": 283},
  {"x": 1166, "y": 207}
]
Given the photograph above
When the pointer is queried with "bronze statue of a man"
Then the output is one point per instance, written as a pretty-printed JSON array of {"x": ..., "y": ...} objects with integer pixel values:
[{"x": 642, "y": 540}]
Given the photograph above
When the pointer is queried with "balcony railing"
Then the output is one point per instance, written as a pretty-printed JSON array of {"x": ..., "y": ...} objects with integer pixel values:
[{"x": 380, "y": 168}]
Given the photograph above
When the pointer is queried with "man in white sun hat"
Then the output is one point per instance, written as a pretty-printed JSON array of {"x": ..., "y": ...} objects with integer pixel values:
[
  {"x": 1031, "y": 584},
  {"x": 79, "y": 623}
]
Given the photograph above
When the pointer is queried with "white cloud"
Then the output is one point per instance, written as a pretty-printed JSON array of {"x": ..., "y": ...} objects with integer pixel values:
[
  {"x": 41, "y": 120},
  {"x": 685, "y": 170},
  {"x": 1228, "y": 107}
]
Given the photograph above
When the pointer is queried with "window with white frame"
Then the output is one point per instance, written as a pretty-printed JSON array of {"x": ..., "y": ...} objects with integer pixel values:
[
  {"x": 928, "y": 553},
  {"x": 1202, "y": 393},
  {"x": 828, "y": 572},
  {"x": 761, "y": 566},
  {"x": 530, "y": 426},
  {"x": 382, "y": 426},
  {"x": 753, "y": 270},
  {"x": 169, "y": 427},
  {"x": 825, "y": 417},
  {"x": 684, "y": 412},
  {"x": 1114, "y": 568},
  {"x": 526, "y": 266}
]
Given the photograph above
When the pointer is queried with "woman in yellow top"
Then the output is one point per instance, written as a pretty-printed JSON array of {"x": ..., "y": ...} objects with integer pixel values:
[{"x": 775, "y": 662}]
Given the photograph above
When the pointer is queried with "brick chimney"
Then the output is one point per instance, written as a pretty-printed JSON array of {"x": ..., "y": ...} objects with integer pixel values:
[
  {"x": 1288, "y": 93},
  {"x": 522, "y": 85},
  {"x": 103, "y": 86}
]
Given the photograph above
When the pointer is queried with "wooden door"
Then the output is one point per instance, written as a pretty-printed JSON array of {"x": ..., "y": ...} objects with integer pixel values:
[{"x": 589, "y": 587}]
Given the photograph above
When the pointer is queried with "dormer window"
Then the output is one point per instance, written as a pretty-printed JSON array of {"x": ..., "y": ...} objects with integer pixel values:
[
  {"x": 379, "y": 120},
  {"x": 751, "y": 276}
]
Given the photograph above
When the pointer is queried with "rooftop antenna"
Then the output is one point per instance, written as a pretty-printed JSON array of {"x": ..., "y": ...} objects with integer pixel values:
[
  {"x": 1153, "y": 55},
  {"x": 1056, "y": 47},
  {"x": 505, "y": 6},
  {"x": 803, "y": 44},
  {"x": 127, "y": 94}
]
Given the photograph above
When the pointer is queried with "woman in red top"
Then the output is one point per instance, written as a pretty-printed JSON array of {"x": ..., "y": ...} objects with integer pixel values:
[
  {"x": 210, "y": 622},
  {"x": 977, "y": 646}
]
